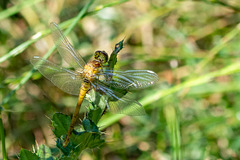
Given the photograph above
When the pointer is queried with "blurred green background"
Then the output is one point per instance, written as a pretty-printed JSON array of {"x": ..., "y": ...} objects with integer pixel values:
[{"x": 193, "y": 113}]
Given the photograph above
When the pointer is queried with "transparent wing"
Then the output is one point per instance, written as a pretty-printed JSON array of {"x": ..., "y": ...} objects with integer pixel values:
[
  {"x": 130, "y": 79},
  {"x": 66, "y": 80},
  {"x": 66, "y": 50},
  {"x": 119, "y": 103}
]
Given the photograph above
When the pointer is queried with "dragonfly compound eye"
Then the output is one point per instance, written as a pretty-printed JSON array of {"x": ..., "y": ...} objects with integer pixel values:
[{"x": 101, "y": 55}]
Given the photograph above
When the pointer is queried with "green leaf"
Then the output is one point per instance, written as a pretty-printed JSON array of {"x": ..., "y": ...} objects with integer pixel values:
[
  {"x": 27, "y": 155},
  {"x": 44, "y": 152},
  {"x": 96, "y": 99},
  {"x": 60, "y": 123},
  {"x": 89, "y": 138},
  {"x": 98, "y": 103},
  {"x": 113, "y": 58},
  {"x": 89, "y": 126},
  {"x": 95, "y": 114}
]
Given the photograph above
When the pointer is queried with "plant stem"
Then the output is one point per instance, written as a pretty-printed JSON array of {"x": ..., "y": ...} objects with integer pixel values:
[{"x": 4, "y": 153}]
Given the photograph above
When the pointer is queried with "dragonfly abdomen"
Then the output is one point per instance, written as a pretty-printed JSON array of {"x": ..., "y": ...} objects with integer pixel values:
[{"x": 83, "y": 90}]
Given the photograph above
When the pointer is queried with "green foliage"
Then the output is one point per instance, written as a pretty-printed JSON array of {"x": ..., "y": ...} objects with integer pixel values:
[
  {"x": 90, "y": 137},
  {"x": 44, "y": 152},
  {"x": 193, "y": 113},
  {"x": 27, "y": 155},
  {"x": 113, "y": 58},
  {"x": 60, "y": 123}
]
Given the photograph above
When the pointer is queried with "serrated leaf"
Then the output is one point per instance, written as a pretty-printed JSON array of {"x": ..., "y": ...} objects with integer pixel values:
[
  {"x": 60, "y": 123},
  {"x": 27, "y": 155},
  {"x": 113, "y": 58},
  {"x": 97, "y": 100},
  {"x": 95, "y": 114},
  {"x": 44, "y": 152},
  {"x": 66, "y": 158},
  {"x": 90, "y": 138},
  {"x": 65, "y": 150},
  {"x": 89, "y": 126},
  {"x": 98, "y": 103},
  {"x": 86, "y": 140},
  {"x": 96, "y": 141}
]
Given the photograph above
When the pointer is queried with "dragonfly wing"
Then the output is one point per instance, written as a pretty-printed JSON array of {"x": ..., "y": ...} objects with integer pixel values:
[
  {"x": 66, "y": 50},
  {"x": 127, "y": 105},
  {"x": 66, "y": 80},
  {"x": 119, "y": 103},
  {"x": 131, "y": 79}
]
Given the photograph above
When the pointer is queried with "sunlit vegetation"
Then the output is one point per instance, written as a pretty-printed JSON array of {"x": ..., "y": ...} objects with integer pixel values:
[{"x": 193, "y": 46}]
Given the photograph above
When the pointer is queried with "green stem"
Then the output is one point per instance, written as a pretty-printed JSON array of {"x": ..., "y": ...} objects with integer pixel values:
[{"x": 4, "y": 153}]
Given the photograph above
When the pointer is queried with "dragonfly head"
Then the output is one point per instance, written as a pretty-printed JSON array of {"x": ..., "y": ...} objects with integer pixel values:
[{"x": 101, "y": 55}]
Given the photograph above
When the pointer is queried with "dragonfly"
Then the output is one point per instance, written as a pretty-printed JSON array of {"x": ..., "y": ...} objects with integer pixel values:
[{"x": 93, "y": 75}]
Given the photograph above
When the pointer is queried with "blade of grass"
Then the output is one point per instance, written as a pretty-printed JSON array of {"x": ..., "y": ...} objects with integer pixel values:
[
  {"x": 19, "y": 49},
  {"x": 235, "y": 8},
  {"x": 16, "y": 8},
  {"x": 28, "y": 75},
  {"x": 213, "y": 52},
  {"x": 230, "y": 69},
  {"x": 148, "y": 18},
  {"x": 222, "y": 43},
  {"x": 2, "y": 135},
  {"x": 215, "y": 87},
  {"x": 173, "y": 129},
  {"x": 100, "y": 7}
]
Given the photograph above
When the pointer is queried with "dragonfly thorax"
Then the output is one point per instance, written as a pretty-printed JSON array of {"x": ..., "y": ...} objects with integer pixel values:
[{"x": 91, "y": 69}]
